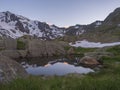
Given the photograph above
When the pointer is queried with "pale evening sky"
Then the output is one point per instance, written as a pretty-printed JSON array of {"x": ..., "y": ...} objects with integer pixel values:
[{"x": 61, "y": 12}]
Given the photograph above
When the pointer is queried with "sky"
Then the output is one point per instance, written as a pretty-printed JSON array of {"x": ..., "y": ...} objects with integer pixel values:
[{"x": 62, "y": 13}]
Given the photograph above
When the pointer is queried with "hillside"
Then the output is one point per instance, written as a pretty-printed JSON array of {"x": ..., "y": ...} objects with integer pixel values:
[{"x": 15, "y": 26}]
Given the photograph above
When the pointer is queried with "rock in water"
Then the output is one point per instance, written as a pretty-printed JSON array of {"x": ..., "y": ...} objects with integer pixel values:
[
  {"x": 9, "y": 70},
  {"x": 88, "y": 61}
]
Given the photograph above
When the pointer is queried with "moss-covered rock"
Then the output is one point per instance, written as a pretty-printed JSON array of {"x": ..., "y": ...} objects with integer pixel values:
[{"x": 21, "y": 45}]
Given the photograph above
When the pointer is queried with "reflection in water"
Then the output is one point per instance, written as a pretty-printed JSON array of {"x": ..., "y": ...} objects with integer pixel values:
[
  {"x": 47, "y": 65},
  {"x": 53, "y": 66},
  {"x": 65, "y": 63}
]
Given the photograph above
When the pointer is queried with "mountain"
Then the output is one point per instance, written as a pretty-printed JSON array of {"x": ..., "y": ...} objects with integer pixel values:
[
  {"x": 108, "y": 31},
  {"x": 15, "y": 26},
  {"x": 80, "y": 29},
  {"x": 113, "y": 18}
]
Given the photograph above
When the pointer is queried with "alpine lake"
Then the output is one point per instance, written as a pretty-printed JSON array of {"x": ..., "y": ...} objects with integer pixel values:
[{"x": 50, "y": 66}]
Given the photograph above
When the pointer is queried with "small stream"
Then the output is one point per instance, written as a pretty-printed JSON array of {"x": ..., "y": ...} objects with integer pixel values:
[{"x": 54, "y": 66}]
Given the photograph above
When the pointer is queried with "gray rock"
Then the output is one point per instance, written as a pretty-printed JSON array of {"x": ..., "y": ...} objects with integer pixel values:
[
  {"x": 10, "y": 53},
  {"x": 2, "y": 45},
  {"x": 88, "y": 61},
  {"x": 8, "y": 43},
  {"x": 14, "y": 54},
  {"x": 22, "y": 53},
  {"x": 9, "y": 70},
  {"x": 37, "y": 48}
]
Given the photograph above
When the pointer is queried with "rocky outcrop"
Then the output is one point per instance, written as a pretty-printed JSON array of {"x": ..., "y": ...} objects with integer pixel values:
[
  {"x": 88, "y": 61},
  {"x": 38, "y": 48},
  {"x": 10, "y": 53},
  {"x": 9, "y": 70},
  {"x": 14, "y": 54},
  {"x": 2, "y": 45},
  {"x": 8, "y": 43},
  {"x": 22, "y": 53}
]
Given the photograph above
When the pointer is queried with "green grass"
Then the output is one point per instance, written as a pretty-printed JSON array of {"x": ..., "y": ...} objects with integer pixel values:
[
  {"x": 91, "y": 82},
  {"x": 84, "y": 50},
  {"x": 115, "y": 50},
  {"x": 20, "y": 45},
  {"x": 67, "y": 48},
  {"x": 108, "y": 78},
  {"x": 80, "y": 49}
]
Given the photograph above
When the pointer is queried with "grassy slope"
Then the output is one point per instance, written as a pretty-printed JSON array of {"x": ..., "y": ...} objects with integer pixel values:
[
  {"x": 80, "y": 49},
  {"x": 107, "y": 78}
]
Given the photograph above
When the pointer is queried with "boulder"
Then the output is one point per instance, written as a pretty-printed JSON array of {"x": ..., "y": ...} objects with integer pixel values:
[
  {"x": 8, "y": 43},
  {"x": 22, "y": 53},
  {"x": 38, "y": 48},
  {"x": 9, "y": 70},
  {"x": 2, "y": 45},
  {"x": 14, "y": 54},
  {"x": 10, "y": 53},
  {"x": 88, "y": 61}
]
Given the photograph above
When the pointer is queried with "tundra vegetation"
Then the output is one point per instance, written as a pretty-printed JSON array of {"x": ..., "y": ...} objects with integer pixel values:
[{"x": 107, "y": 78}]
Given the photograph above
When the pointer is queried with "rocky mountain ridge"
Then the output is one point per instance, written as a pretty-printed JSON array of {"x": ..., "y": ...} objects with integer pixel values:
[{"x": 15, "y": 26}]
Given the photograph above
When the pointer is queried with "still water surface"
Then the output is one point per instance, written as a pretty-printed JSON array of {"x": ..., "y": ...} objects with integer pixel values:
[{"x": 53, "y": 66}]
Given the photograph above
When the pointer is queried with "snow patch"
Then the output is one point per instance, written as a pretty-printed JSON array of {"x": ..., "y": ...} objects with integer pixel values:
[
  {"x": 98, "y": 23},
  {"x": 87, "y": 44},
  {"x": 80, "y": 32},
  {"x": 76, "y": 27},
  {"x": 31, "y": 27}
]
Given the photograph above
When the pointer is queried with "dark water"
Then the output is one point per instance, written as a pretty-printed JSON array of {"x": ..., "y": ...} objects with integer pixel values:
[{"x": 53, "y": 66}]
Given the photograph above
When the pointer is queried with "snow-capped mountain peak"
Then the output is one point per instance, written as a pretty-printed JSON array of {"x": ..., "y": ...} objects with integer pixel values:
[{"x": 15, "y": 26}]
